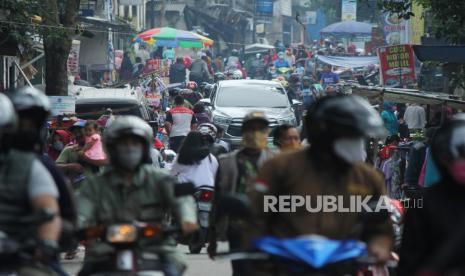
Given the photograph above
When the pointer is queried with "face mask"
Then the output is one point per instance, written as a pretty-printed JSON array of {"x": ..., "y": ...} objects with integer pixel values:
[
  {"x": 255, "y": 139},
  {"x": 457, "y": 171},
  {"x": 350, "y": 150},
  {"x": 129, "y": 157},
  {"x": 58, "y": 145}
]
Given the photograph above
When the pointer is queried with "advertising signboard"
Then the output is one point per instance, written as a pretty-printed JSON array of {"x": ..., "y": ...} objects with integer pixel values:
[{"x": 397, "y": 65}]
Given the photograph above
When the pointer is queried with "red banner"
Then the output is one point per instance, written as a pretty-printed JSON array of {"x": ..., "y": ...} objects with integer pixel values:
[{"x": 397, "y": 65}]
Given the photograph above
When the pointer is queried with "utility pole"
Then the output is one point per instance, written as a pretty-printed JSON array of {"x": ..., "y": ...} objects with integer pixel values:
[{"x": 254, "y": 34}]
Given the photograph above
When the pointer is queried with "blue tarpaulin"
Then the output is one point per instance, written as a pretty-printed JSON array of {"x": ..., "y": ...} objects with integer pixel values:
[{"x": 348, "y": 62}]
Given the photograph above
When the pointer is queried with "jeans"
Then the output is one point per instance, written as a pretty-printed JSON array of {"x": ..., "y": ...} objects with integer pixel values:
[{"x": 175, "y": 142}]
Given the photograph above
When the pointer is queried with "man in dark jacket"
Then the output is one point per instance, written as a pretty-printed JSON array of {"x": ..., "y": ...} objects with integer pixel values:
[
  {"x": 199, "y": 71},
  {"x": 178, "y": 71},
  {"x": 433, "y": 241}
]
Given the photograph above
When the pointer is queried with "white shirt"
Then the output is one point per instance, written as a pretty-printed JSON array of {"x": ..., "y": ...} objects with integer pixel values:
[
  {"x": 202, "y": 174},
  {"x": 415, "y": 117}
]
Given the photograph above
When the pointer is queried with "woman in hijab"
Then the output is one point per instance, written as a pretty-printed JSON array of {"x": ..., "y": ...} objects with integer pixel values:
[
  {"x": 125, "y": 72},
  {"x": 58, "y": 141}
]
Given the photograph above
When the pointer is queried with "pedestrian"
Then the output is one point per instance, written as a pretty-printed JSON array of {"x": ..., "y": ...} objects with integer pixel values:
[
  {"x": 328, "y": 77},
  {"x": 125, "y": 72},
  {"x": 93, "y": 148},
  {"x": 390, "y": 119},
  {"x": 179, "y": 122},
  {"x": 137, "y": 68},
  {"x": 195, "y": 163},
  {"x": 178, "y": 71},
  {"x": 415, "y": 117},
  {"x": 58, "y": 140},
  {"x": 286, "y": 138},
  {"x": 199, "y": 71},
  {"x": 237, "y": 173}
]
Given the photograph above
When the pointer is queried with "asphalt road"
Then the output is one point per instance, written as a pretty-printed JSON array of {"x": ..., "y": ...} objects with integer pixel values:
[{"x": 198, "y": 264}]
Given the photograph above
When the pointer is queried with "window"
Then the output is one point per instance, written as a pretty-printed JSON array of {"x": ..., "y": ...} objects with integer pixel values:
[{"x": 134, "y": 11}]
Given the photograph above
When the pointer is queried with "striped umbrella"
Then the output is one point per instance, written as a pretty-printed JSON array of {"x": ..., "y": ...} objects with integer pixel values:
[{"x": 170, "y": 37}]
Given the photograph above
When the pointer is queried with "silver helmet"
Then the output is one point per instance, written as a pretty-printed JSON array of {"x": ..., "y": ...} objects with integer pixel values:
[
  {"x": 30, "y": 98},
  {"x": 208, "y": 130},
  {"x": 8, "y": 119}
]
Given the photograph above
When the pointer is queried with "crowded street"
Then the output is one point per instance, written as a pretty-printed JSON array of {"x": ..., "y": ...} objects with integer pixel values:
[{"x": 232, "y": 137}]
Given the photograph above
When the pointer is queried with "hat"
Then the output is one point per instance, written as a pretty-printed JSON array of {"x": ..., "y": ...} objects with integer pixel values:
[
  {"x": 78, "y": 124},
  {"x": 255, "y": 116}
]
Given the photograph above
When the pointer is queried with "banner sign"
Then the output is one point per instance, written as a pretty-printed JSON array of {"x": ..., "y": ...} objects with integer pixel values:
[
  {"x": 264, "y": 6},
  {"x": 349, "y": 10},
  {"x": 61, "y": 105},
  {"x": 395, "y": 29},
  {"x": 397, "y": 65},
  {"x": 73, "y": 58}
]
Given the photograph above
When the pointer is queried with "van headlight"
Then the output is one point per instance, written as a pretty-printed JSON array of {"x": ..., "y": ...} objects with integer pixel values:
[{"x": 287, "y": 120}]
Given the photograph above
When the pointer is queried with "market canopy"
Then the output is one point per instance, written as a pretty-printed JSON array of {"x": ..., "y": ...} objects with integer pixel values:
[
  {"x": 257, "y": 48},
  {"x": 348, "y": 28},
  {"x": 348, "y": 62},
  {"x": 170, "y": 37}
]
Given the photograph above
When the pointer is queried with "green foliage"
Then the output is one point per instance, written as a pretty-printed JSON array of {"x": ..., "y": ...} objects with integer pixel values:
[
  {"x": 16, "y": 19},
  {"x": 448, "y": 16}
]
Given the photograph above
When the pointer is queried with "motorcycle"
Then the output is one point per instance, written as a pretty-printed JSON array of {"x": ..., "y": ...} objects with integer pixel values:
[
  {"x": 282, "y": 71},
  {"x": 204, "y": 198},
  {"x": 20, "y": 251},
  {"x": 128, "y": 258}
]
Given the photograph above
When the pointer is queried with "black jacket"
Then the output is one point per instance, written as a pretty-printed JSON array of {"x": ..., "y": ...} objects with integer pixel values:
[
  {"x": 177, "y": 73},
  {"x": 434, "y": 231}
]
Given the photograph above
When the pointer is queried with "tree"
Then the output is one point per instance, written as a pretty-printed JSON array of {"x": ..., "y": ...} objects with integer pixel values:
[
  {"x": 448, "y": 17},
  {"x": 59, "y": 19}
]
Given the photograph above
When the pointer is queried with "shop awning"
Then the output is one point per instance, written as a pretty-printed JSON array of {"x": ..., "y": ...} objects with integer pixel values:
[{"x": 348, "y": 62}]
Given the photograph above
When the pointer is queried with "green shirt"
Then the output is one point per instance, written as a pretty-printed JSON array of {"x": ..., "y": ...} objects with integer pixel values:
[
  {"x": 70, "y": 155},
  {"x": 105, "y": 199}
]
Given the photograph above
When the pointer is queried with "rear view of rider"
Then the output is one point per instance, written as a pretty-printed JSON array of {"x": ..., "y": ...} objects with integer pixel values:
[
  {"x": 333, "y": 165},
  {"x": 131, "y": 189},
  {"x": 210, "y": 133},
  {"x": 233, "y": 62},
  {"x": 26, "y": 187}
]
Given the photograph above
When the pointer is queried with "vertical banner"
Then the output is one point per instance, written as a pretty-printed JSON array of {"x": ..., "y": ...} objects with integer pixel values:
[
  {"x": 349, "y": 10},
  {"x": 395, "y": 29},
  {"x": 397, "y": 65},
  {"x": 73, "y": 58}
]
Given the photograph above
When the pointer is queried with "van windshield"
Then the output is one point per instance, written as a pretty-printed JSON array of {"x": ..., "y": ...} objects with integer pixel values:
[{"x": 93, "y": 111}]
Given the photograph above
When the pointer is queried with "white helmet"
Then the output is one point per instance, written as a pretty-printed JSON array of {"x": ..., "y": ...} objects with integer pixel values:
[{"x": 237, "y": 75}]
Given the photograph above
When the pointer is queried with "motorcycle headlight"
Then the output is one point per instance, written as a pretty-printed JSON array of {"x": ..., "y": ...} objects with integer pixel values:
[
  {"x": 122, "y": 233},
  {"x": 221, "y": 120}
]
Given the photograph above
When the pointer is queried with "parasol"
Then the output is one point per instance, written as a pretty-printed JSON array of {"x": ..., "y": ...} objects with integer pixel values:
[{"x": 170, "y": 37}]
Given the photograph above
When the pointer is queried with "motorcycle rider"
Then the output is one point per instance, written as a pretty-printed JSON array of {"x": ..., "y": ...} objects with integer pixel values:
[
  {"x": 210, "y": 133},
  {"x": 433, "y": 239},
  {"x": 333, "y": 165},
  {"x": 199, "y": 72},
  {"x": 281, "y": 62},
  {"x": 233, "y": 62},
  {"x": 27, "y": 187},
  {"x": 219, "y": 77},
  {"x": 237, "y": 171},
  {"x": 132, "y": 190},
  {"x": 258, "y": 68}
]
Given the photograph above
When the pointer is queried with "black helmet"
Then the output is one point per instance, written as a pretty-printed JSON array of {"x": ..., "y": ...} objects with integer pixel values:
[
  {"x": 128, "y": 126},
  {"x": 342, "y": 116},
  {"x": 8, "y": 120},
  {"x": 208, "y": 130},
  {"x": 219, "y": 77},
  {"x": 448, "y": 143}
]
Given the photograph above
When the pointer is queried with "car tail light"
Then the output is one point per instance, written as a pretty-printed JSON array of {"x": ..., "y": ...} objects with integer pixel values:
[
  {"x": 206, "y": 196},
  {"x": 122, "y": 233},
  {"x": 150, "y": 231}
]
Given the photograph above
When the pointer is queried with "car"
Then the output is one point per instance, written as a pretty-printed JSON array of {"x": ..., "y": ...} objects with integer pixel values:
[
  {"x": 91, "y": 103},
  {"x": 231, "y": 100}
]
